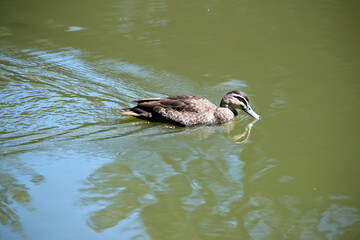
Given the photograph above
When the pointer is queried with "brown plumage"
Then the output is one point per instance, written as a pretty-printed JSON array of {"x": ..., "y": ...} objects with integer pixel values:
[{"x": 186, "y": 110}]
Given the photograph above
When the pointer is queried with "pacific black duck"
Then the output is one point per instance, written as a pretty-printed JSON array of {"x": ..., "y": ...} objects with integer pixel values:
[{"x": 186, "y": 110}]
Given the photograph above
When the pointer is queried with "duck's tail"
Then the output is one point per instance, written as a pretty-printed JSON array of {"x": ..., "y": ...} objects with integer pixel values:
[{"x": 129, "y": 112}]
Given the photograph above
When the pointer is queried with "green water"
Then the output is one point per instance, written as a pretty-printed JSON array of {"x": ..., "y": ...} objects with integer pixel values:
[{"x": 72, "y": 167}]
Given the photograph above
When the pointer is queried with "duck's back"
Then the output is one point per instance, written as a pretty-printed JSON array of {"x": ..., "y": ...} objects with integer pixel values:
[{"x": 183, "y": 110}]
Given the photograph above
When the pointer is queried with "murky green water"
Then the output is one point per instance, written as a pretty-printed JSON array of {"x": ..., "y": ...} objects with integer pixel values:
[{"x": 72, "y": 167}]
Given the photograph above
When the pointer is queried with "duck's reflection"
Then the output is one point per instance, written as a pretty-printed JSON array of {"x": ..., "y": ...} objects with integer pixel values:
[
  {"x": 236, "y": 131},
  {"x": 238, "y": 135}
]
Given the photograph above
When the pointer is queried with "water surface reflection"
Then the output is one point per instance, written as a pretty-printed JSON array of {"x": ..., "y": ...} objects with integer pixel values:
[
  {"x": 207, "y": 188},
  {"x": 166, "y": 173}
]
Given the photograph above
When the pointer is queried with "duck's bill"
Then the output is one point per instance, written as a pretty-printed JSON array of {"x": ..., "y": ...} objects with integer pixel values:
[{"x": 252, "y": 113}]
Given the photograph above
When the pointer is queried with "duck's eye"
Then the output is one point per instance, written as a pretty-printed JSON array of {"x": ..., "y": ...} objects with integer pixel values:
[{"x": 239, "y": 98}]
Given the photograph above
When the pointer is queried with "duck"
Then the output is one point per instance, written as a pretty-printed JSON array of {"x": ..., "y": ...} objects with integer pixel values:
[{"x": 188, "y": 110}]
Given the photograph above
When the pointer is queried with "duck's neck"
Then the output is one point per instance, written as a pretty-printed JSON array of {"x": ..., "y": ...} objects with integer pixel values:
[{"x": 225, "y": 105}]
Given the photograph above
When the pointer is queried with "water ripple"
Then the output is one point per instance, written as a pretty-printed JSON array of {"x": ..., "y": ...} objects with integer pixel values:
[{"x": 59, "y": 95}]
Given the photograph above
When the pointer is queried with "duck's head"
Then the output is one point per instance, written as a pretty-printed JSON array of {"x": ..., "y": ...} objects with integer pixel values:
[{"x": 238, "y": 100}]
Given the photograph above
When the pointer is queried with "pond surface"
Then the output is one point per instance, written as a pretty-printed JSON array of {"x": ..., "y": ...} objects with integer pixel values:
[{"x": 72, "y": 167}]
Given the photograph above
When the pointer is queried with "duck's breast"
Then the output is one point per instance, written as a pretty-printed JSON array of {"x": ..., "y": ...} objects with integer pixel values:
[{"x": 223, "y": 115}]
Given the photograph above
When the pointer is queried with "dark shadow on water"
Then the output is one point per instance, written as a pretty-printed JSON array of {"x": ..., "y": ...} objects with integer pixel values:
[{"x": 14, "y": 194}]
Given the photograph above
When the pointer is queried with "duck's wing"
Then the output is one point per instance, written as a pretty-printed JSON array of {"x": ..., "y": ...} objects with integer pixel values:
[
  {"x": 180, "y": 110},
  {"x": 182, "y": 103}
]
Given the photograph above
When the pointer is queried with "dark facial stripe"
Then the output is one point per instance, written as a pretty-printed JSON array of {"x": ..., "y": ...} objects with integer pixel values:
[{"x": 243, "y": 99}]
